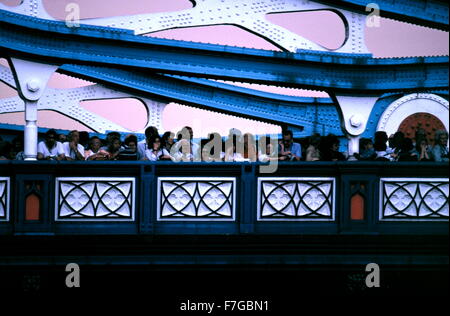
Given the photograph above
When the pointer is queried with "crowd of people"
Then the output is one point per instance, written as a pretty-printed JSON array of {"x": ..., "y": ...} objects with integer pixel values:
[{"x": 77, "y": 146}]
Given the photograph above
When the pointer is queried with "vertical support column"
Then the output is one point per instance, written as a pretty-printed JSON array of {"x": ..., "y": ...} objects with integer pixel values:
[
  {"x": 147, "y": 205},
  {"x": 354, "y": 113},
  {"x": 248, "y": 199},
  {"x": 353, "y": 146},
  {"x": 31, "y": 130},
  {"x": 31, "y": 80}
]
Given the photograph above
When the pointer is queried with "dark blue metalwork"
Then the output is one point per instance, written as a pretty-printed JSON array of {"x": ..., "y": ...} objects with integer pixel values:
[
  {"x": 297, "y": 112},
  {"x": 345, "y": 73},
  {"x": 431, "y": 13}
]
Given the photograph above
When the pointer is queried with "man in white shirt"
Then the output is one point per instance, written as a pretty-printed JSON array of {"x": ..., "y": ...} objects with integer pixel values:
[
  {"x": 185, "y": 149},
  {"x": 50, "y": 149},
  {"x": 72, "y": 149},
  {"x": 142, "y": 146}
]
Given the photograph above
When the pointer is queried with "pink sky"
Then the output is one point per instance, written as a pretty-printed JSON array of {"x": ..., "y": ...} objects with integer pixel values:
[{"x": 392, "y": 39}]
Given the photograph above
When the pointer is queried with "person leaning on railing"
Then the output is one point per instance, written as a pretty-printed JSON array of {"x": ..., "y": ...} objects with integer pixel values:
[
  {"x": 50, "y": 149},
  {"x": 440, "y": 149},
  {"x": 154, "y": 151},
  {"x": 94, "y": 152},
  {"x": 422, "y": 149},
  {"x": 329, "y": 149},
  {"x": 129, "y": 150},
  {"x": 384, "y": 153},
  {"x": 268, "y": 153},
  {"x": 313, "y": 152},
  {"x": 73, "y": 150},
  {"x": 289, "y": 151}
]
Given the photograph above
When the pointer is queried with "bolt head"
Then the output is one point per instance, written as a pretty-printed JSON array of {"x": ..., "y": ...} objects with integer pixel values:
[
  {"x": 356, "y": 121},
  {"x": 33, "y": 85}
]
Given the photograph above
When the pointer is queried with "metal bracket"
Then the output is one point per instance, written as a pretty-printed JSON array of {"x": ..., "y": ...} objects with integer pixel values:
[{"x": 67, "y": 102}]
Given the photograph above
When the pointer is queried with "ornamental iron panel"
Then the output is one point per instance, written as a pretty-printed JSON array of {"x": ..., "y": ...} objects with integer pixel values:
[
  {"x": 207, "y": 199},
  {"x": 95, "y": 199},
  {"x": 413, "y": 199},
  {"x": 296, "y": 199},
  {"x": 4, "y": 199}
]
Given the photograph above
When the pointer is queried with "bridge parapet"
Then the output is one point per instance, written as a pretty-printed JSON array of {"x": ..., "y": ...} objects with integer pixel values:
[{"x": 141, "y": 198}]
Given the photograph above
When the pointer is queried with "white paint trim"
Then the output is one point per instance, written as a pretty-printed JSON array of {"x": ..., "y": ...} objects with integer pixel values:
[
  {"x": 287, "y": 219},
  {"x": 406, "y": 180},
  {"x": 8, "y": 198},
  {"x": 99, "y": 179},
  {"x": 193, "y": 219}
]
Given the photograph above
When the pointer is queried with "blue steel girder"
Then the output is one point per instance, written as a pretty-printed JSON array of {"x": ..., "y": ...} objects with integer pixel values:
[
  {"x": 430, "y": 13},
  {"x": 54, "y": 42},
  {"x": 298, "y": 112}
]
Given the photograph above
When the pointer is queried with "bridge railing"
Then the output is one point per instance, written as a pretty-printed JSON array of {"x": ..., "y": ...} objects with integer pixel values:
[{"x": 320, "y": 198}]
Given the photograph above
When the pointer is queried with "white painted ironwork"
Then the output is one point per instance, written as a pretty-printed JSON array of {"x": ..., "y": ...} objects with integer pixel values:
[
  {"x": 67, "y": 102},
  {"x": 249, "y": 15},
  {"x": 4, "y": 198},
  {"x": 32, "y": 79},
  {"x": 413, "y": 199},
  {"x": 355, "y": 113},
  {"x": 296, "y": 199},
  {"x": 34, "y": 8},
  {"x": 196, "y": 199},
  {"x": 411, "y": 104},
  {"x": 95, "y": 199}
]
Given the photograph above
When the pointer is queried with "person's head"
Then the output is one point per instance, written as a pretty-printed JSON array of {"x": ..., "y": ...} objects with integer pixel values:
[
  {"x": 6, "y": 151},
  {"x": 112, "y": 135},
  {"x": 51, "y": 138},
  {"x": 334, "y": 143},
  {"x": 155, "y": 143},
  {"x": 95, "y": 143},
  {"x": 381, "y": 137},
  {"x": 84, "y": 138},
  {"x": 314, "y": 140},
  {"x": 114, "y": 145},
  {"x": 380, "y": 141},
  {"x": 74, "y": 136},
  {"x": 190, "y": 131},
  {"x": 421, "y": 142},
  {"x": 185, "y": 133},
  {"x": 168, "y": 138},
  {"x": 397, "y": 140},
  {"x": 62, "y": 138},
  {"x": 131, "y": 142},
  {"x": 441, "y": 137},
  {"x": 406, "y": 145},
  {"x": 288, "y": 138},
  {"x": 151, "y": 131},
  {"x": 17, "y": 143},
  {"x": 420, "y": 133},
  {"x": 366, "y": 144}
]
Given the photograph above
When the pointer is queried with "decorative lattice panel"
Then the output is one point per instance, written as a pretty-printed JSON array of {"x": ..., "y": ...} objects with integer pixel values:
[
  {"x": 87, "y": 199},
  {"x": 413, "y": 199},
  {"x": 196, "y": 199},
  {"x": 296, "y": 199},
  {"x": 4, "y": 199}
]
